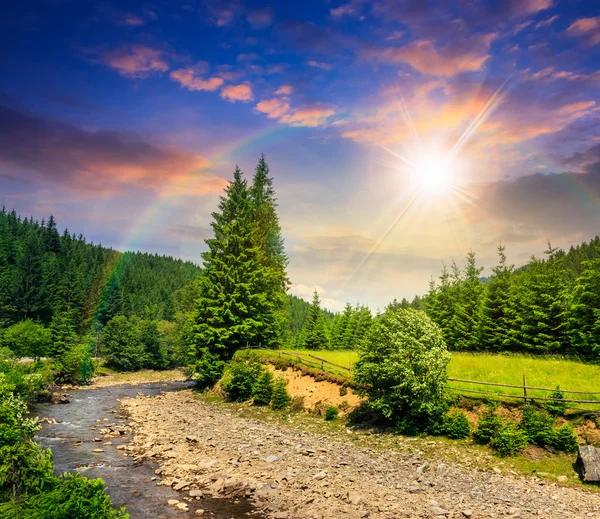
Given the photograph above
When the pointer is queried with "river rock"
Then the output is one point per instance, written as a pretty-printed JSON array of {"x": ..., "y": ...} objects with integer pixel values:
[
  {"x": 320, "y": 475},
  {"x": 181, "y": 485},
  {"x": 588, "y": 463},
  {"x": 196, "y": 493},
  {"x": 271, "y": 459},
  {"x": 354, "y": 497},
  {"x": 59, "y": 398}
]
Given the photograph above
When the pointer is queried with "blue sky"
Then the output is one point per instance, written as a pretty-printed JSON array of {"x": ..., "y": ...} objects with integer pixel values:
[{"x": 125, "y": 120}]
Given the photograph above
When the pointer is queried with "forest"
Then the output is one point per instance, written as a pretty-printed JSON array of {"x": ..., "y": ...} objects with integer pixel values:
[{"x": 551, "y": 305}]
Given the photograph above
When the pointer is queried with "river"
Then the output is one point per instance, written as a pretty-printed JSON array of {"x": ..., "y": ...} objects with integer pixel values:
[{"x": 132, "y": 485}]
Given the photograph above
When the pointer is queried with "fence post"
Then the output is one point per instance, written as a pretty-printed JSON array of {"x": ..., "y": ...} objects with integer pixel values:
[{"x": 524, "y": 388}]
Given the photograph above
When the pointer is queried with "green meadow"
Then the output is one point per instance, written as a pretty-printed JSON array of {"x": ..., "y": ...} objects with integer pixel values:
[{"x": 546, "y": 372}]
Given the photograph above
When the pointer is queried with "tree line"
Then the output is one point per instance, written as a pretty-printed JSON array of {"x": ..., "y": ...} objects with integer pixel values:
[{"x": 551, "y": 305}]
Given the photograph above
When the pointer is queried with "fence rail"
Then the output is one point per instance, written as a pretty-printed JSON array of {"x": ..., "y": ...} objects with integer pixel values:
[{"x": 319, "y": 362}]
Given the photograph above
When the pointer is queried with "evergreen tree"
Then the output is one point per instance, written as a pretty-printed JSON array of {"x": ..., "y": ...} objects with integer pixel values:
[
  {"x": 28, "y": 289},
  {"x": 538, "y": 307},
  {"x": 234, "y": 310},
  {"x": 466, "y": 318},
  {"x": 494, "y": 329},
  {"x": 267, "y": 238},
  {"x": 315, "y": 334},
  {"x": 584, "y": 314}
]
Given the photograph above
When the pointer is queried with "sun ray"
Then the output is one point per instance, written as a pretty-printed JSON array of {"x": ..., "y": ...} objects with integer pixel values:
[
  {"x": 479, "y": 118},
  {"x": 380, "y": 241}
]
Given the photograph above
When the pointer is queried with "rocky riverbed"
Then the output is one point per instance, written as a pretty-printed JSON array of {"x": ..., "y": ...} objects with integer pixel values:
[{"x": 292, "y": 472}]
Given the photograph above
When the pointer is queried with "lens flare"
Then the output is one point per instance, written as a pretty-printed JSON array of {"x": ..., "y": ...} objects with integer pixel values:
[{"x": 433, "y": 174}]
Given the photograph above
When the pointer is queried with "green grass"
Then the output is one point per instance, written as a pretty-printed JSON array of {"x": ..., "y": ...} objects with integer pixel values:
[{"x": 503, "y": 369}]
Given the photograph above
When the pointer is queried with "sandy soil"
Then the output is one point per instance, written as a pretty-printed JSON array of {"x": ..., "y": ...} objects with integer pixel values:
[
  {"x": 146, "y": 376},
  {"x": 299, "y": 471},
  {"x": 315, "y": 393}
]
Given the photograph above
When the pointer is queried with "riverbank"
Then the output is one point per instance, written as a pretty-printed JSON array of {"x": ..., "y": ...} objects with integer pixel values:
[
  {"x": 298, "y": 468},
  {"x": 109, "y": 378}
]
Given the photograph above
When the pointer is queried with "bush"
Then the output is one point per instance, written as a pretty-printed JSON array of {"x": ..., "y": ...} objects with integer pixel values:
[
  {"x": 123, "y": 347},
  {"x": 76, "y": 365},
  {"x": 488, "y": 426},
  {"x": 456, "y": 425},
  {"x": 209, "y": 369},
  {"x": 280, "y": 398},
  {"x": 331, "y": 413},
  {"x": 565, "y": 439},
  {"x": 240, "y": 377},
  {"x": 262, "y": 391},
  {"x": 73, "y": 496},
  {"x": 29, "y": 381},
  {"x": 509, "y": 440},
  {"x": 403, "y": 369},
  {"x": 557, "y": 408},
  {"x": 297, "y": 404},
  {"x": 538, "y": 426},
  {"x": 27, "y": 339}
]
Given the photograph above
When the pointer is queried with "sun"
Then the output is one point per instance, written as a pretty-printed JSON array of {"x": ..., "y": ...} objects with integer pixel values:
[{"x": 434, "y": 173}]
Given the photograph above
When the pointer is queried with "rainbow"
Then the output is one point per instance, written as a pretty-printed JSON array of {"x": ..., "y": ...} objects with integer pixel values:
[{"x": 172, "y": 192}]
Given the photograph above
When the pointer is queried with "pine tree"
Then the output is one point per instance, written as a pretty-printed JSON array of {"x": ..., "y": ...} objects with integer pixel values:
[
  {"x": 28, "y": 289},
  {"x": 234, "y": 310},
  {"x": 537, "y": 307},
  {"x": 315, "y": 334},
  {"x": 466, "y": 319},
  {"x": 494, "y": 329},
  {"x": 584, "y": 313},
  {"x": 267, "y": 238}
]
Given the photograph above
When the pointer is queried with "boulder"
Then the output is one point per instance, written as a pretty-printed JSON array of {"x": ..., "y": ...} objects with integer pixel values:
[{"x": 588, "y": 463}]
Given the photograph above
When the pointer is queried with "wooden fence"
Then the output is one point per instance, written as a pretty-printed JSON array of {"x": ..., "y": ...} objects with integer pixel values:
[{"x": 320, "y": 363}]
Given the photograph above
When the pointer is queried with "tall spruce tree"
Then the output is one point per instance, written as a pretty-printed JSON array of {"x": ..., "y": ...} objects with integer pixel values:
[
  {"x": 315, "y": 334},
  {"x": 234, "y": 309},
  {"x": 584, "y": 313},
  {"x": 494, "y": 328},
  {"x": 268, "y": 240},
  {"x": 466, "y": 318},
  {"x": 537, "y": 307}
]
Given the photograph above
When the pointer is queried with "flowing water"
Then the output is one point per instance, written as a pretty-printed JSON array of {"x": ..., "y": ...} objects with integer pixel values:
[{"x": 129, "y": 484}]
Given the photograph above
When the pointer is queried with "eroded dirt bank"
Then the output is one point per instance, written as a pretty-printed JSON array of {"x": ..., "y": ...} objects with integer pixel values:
[{"x": 292, "y": 472}]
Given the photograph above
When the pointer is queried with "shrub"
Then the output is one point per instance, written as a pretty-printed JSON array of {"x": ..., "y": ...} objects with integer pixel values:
[
  {"x": 456, "y": 425},
  {"x": 488, "y": 425},
  {"x": 27, "y": 339},
  {"x": 240, "y": 377},
  {"x": 557, "y": 408},
  {"x": 76, "y": 365},
  {"x": 331, "y": 413},
  {"x": 403, "y": 369},
  {"x": 262, "y": 391},
  {"x": 209, "y": 369},
  {"x": 509, "y": 440},
  {"x": 73, "y": 496},
  {"x": 280, "y": 398},
  {"x": 123, "y": 347},
  {"x": 538, "y": 426},
  {"x": 565, "y": 439},
  {"x": 343, "y": 391}
]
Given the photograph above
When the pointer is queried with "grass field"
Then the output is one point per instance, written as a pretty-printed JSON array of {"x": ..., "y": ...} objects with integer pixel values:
[{"x": 503, "y": 369}]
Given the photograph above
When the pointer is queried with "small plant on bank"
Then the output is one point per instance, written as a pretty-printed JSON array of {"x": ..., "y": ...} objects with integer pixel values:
[
  {"x": 557, "y": 408},
  {"x": 209, "y": 369},
  {"x": 538, "y": 426},
  {"x": 509, "y": 440},
  {"x": 280, "y": 398},
  {"x": 456, "y": 425},
  {"x": 565, "y": 439},
  {"x": 488, "y": 425},
  {"x": 331, "y": 413},
  {"x": 262, "y": 391},
  {"x": 241, "y": 376}
]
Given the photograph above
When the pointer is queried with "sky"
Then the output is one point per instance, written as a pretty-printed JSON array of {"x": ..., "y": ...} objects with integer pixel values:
[{"x": 400, "y": 134}]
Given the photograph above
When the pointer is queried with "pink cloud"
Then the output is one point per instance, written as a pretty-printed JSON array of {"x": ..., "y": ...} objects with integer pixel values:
[
  {"x": 98, "y": 163},
  {"x": 588, "y": 28},
  {"x": 307, "y": 115},
  {"x": 423, "y": 56},
  {"x": 189, "y": 78},
  {"x": 136, "y": 60},
  {"x": 546, "y": 22},
  {"x": 233, "y": 93},
  {"x": 260, "y": 18},
  {"x": 284, "y": 90},
  {"x": 319, "y": 64}
]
